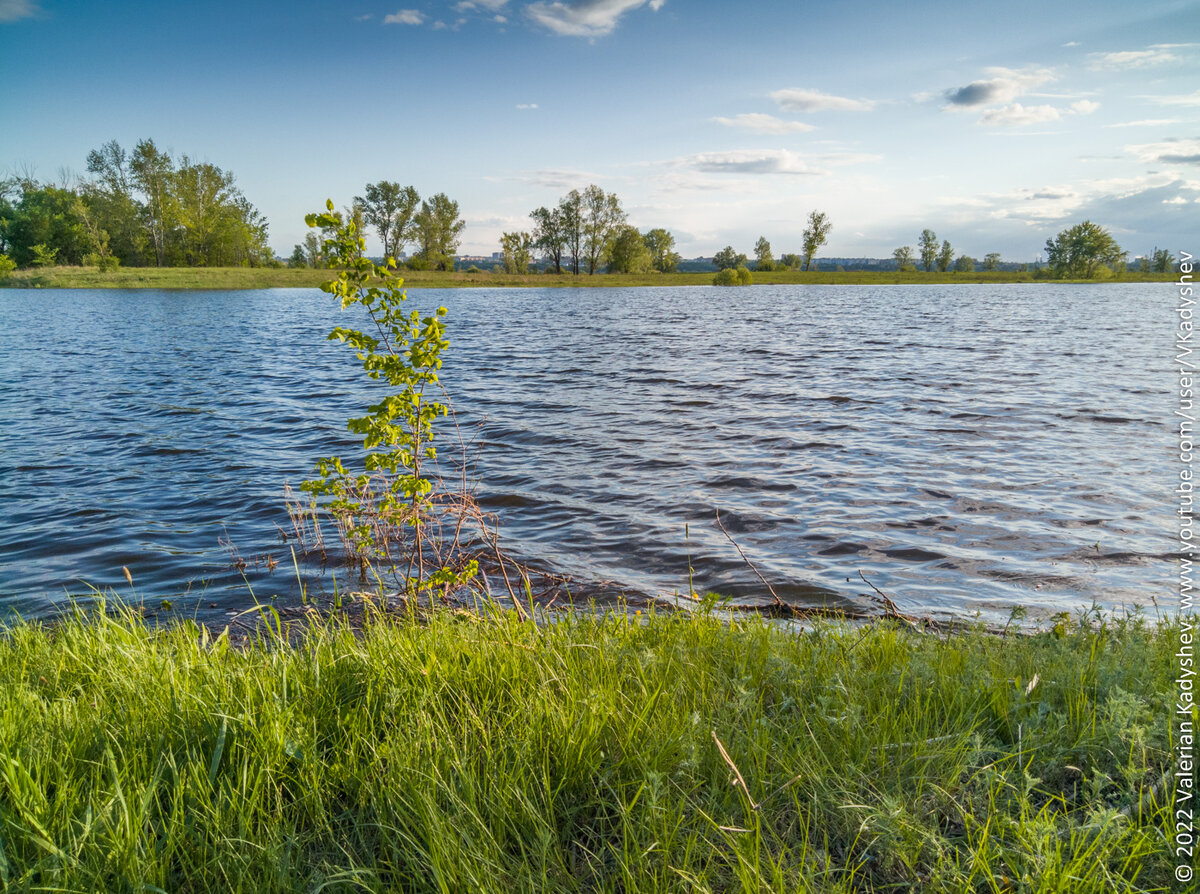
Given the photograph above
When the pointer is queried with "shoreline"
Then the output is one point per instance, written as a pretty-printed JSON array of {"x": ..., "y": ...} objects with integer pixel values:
[{"x": 239, "y": 278}]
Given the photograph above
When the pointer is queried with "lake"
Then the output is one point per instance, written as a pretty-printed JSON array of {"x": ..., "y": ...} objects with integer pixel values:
[{"x": 968, "y": 448}]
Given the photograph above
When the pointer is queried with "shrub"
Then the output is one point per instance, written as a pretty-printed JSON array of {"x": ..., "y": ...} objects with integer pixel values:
[
  {"x": 7, "y": 265},
  {"x": 743, "y": 275},
  {"x": 104, "y": 263},
  {"x": 726, "y": 276}
]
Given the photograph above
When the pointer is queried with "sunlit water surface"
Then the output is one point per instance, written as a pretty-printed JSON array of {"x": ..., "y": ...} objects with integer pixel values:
[{"x": 967, "y": 448}]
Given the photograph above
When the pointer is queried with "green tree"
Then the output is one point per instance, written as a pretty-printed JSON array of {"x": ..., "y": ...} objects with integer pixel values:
[
  {"x": 991, "y": 261},
  {"x": 7, "y": 265},
  {"x": 389, "y": 208},
  {"x": 438, "y": 230},
  {"x": 765, "y": 260},
  {"x": 904, "y": 258},
  {"x": 518, "y": 251},
  {"x": 393, "y": 499},
  {"x": 48, "y": 222},
  {"x": 112, "y": 211},
  {"x": 570, "y": 214},
  {"x": 816, "y": 234},
  {"x": 627, "y": 252},
  {"x": 1079, "y": 251},
  {"x": 945, "y": 256},
  {"x": 744, "y": 276},
  {"x": 661, "y": 245},
  {"x": 726, "y": 276},
  {"x": 549, "y": 234},
  {"x": 929, "y": 249},
  {"x": 602, "y": 216},
  {"x": 1162, "y": 261},
  {"x": 299, "y": 257},
  {"x": 727, "y": 258},
  {"x": 964, "y": 264},
  {"x": 153, "y": 174},
  {"x": 791, "y": 261}
]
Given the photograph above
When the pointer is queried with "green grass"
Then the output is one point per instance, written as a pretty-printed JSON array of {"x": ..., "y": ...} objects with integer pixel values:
[
  {"x": 453, "y": 752},
  {"x": 266, "y": 278}
]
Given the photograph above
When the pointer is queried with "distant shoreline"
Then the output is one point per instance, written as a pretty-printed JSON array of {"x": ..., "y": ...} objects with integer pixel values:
[{"x": 198, "y": 278}]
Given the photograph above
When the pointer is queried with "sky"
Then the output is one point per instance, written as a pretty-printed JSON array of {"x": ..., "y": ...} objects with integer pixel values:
[{"x": 996, "y": 125}]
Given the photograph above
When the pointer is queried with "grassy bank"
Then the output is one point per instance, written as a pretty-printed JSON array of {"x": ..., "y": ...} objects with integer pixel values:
[
  {"x": 453, "y": 753},
  {"x": 267, "y": 278}
]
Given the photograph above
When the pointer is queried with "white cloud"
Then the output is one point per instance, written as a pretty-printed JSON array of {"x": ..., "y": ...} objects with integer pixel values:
[
  {"x": 1171, "y": 152},
  {"x": 501, "y": 19},
  {"x": 1017, "y": 115},
  {"x": 364, "y": 18},
  {"x": 1127, "y": 59},
  {"x": 760, "y": 123},
  {"x": 1070, "y": 43},
  {"x": 1084, "y": 107},
  {"x": 489, "y": 5},
  {"x": 584, "y": 18},
  {"x": 558, "y": 178},
  {"x": 801, "y": 99},
  {"x": 1192, "y": 99},
  {"x": 749, "y": 161},
  {"x": 527, "y": 105},
  {"x": 15, "y": 10},
  {"x": 404, "y": 17},
  {"x": 1178, "y": 200},
  {"x": 1002, "y": 86},
  {"x": 1147, "y": 122},
  {"x": 439, "y": 25}
]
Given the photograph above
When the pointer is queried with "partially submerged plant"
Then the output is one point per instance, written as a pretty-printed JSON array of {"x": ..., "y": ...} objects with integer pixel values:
[{"x": 393, "y": 514}]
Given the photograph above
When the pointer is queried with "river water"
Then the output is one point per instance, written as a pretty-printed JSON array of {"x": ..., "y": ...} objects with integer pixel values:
[{"x": 968, "y": 448}]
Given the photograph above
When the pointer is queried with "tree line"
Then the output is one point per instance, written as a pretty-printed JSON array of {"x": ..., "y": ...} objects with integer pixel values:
[
  {"x": 143, "y": 208},
  {"x": 399, "y": 216}
]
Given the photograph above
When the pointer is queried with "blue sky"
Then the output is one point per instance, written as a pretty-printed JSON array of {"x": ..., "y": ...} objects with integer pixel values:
[{"x": 996, "y": 125}]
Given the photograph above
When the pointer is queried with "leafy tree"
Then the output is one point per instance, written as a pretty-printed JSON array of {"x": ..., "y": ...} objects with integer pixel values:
[
  {"x": 314, "y": 251},
  {"x": 438, "y": 230},
  {"x": 152, "y": 172},
  {"x": 816, "y": 234},
  {"x": 904, "y": 258},
  {"x": 299, "y": 258},
  {"x": 549, "y": 234},
  {"x": 964, "y": 264},
  {"x": 661, "y": 245},
  {"x": 7, "y": 265},
  {"x": 48, "y": 222},
  {"x": 791, "y": 262},
  {"x": 602, "y": 216},
  {"x": 744, "y": 276},
  {"x": 111, "y": 210},
  {"x": 394, "y": 504},
  {"x": 518, "y": 250},
  {"x": 728, "y": 258},
  {"x": 1162, "y": 261},
  {"x": 929, "y": 249},
  {"x": 627, "y": 251},
  {"x": 945, "y": 256},
  {"x": 991, "y": 260},
  {"x": 570, "y": 214},
  {"x": 389, "y": 208},
  {"x": 726, "y": 276},
  {"x": 762, "y": 252},
  {"x": 1081, "y": 250}
]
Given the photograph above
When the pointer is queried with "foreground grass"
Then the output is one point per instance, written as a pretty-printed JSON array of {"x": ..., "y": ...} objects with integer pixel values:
[
  {"x": 457, "y": 753},
  {"x": 265, "y": 278}
]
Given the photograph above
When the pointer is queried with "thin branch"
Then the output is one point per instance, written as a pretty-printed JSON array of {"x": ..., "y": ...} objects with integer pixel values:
[{"x": 779, "y": 602}]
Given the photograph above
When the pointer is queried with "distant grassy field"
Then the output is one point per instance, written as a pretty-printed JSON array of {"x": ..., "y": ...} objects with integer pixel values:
[
  {"x": 664, "y": 753},
  {"x": 270, "y": 278}
]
